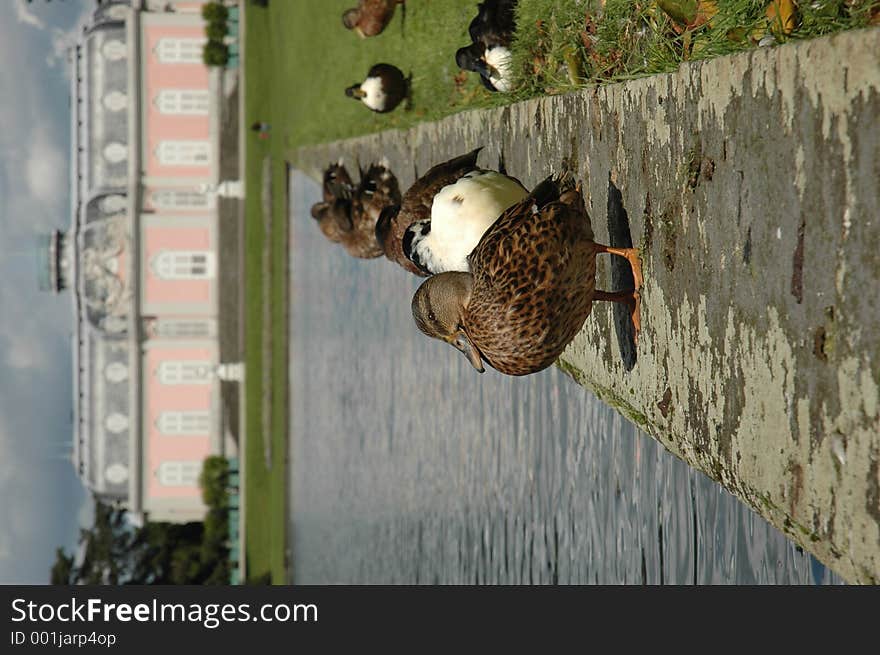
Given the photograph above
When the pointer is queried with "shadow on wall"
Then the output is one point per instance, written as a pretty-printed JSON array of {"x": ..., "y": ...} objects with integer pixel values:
[{"x": 621, "y": 274}]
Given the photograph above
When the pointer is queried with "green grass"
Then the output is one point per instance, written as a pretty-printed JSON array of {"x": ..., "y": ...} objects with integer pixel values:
[{"x": 299, "y": 59}]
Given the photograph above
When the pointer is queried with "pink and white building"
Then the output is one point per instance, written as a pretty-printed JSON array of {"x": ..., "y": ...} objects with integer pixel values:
[{"x": 141, "y": 257}]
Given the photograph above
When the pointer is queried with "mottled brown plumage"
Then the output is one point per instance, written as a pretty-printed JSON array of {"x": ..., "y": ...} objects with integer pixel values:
[
  {"x": 531, "y": 286},
  {"x": 416, "y": 206},
  {"x": 348, "y": 214},
  {"x": 371, "y": 17}
]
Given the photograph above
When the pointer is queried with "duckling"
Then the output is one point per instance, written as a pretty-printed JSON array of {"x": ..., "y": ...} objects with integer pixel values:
[
  {"x": 371, "y": 17},
  {"x": 384, "y": 88},
  {"x": 378, "y": 188},
  {"x": 530, "y": 287},
  {"x": 348, "y": 215},
  {"x": 486, "y": 193},
  {"x": 491, "y": 33}
]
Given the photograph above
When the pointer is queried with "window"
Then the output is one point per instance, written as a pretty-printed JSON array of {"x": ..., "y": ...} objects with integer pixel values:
[
  {"x": 117, "y": 12},
  {"x": 185, "y": 372},
  {"x": 184, "y": 423},
  {"x": 112, "y": 204},
  {"x": 179, "y": 473},
  {"x": 116, "y": 372},
  {"x": 182, "y": 101},
  {"x": 115, "y": 152},
  {"x": 116, "y": 473},
  {"x": 181, "y": 199},
  {"x": 184, "y": 265},
  {"x": 116, "y": 423},
  {"x": 113, "y": 50},
  {"x": 184, "y": 328},
  {"x": 115, "y": 101},
  {"x": 184, "y": 153},
  {"x": 180, "y": 51}
]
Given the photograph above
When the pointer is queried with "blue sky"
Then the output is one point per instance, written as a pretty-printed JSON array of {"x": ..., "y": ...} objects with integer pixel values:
[{"x": 43, "y": 501}]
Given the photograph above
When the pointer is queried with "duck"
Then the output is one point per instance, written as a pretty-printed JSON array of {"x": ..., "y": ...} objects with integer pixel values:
[
  {"x": 460, "y": 213},
  {"x": 371, "y": 17},
  {"x": 383, "y": 89},
  {"x": 491, "y": 32},
  {"x": 423, "y": 250},
  {"x": 530, "y": 288},
  {"x": 349, "y": 212}
]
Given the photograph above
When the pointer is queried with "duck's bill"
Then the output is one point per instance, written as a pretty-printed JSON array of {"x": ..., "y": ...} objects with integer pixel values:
[{"x": 469, "y": 350}]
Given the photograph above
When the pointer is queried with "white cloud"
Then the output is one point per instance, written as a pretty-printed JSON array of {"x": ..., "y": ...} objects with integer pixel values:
[
  {"x": 26, "y": 16},
  {"x": 45, "y": 171}
]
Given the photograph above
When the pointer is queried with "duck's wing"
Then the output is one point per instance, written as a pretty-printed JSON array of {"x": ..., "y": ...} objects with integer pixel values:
[{"x": 419, "y": 197}]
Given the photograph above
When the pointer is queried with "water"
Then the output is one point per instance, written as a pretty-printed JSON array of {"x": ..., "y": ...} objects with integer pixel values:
[{"x": 407, "y": 466}]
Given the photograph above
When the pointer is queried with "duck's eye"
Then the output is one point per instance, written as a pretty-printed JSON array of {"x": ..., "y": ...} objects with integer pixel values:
[{"x": 431, "y": 317}]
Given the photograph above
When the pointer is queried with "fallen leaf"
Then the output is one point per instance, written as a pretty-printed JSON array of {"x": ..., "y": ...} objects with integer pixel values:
[
  {"x": 689, "y": 14},
  {"x": 782, "y": 15}
]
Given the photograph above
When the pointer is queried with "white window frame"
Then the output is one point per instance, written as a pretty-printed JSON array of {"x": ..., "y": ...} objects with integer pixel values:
[
  {"x": 186, "y": 102},
  {"x": 184, "y": 153},
  {"x": 188, "y": 199},
  {"x": 115, "y": 101},
  {"x": 116, "y": 423},
  {"x": 185, "y": 328},
  {"x": 114, "y": 50},
  {"x": 115, "y": 152},
  {"x": 197, "y": 371},
  {"x": 186, "y": 50},
  {"x": 184, "y": 265},
  {"x": 116, "y": 372},
  {"x": 184, "y": 423},
  {"x": 179, "y": 473}
]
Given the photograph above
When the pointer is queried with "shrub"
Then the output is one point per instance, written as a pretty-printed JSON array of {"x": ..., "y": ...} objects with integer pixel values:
[
  {"x": 212, "y": 479},
  {"x": 214, "y": 11},
  {"x": 215, "y": 53},
  {"x": 216, "y": 30}
]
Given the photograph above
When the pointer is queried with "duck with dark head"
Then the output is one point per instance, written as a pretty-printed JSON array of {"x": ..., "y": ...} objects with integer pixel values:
[
  {"x": 384, "y": 88},
  {"x": 491, "y": 33},
  {"x": 371, "y": 17},
  {"x": 444, "y": 214}
]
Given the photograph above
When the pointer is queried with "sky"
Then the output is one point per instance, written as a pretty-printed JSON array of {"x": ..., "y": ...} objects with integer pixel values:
[{"x": 43, "y": 503}]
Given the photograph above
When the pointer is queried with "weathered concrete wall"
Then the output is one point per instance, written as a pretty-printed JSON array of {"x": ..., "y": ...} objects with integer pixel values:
[{"x": 751, "y": 185}]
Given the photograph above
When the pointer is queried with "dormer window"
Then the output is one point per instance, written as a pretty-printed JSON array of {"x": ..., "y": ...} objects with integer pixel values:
[
  {"x": 115, "y": 101},
  {"x": 113, "y": 50},
  {"x": 115, "y": 152}
]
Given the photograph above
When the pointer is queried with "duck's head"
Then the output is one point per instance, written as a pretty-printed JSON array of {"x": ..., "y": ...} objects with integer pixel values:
[
  {"x": 438, "y": 308},
  {"x": 413, "y": 246},
  {"x": 355, "y": 91},
  {"x": 470, "y": 58},
  {"x": 334, "y": 218},
  {"x": 351, "y": 17}
]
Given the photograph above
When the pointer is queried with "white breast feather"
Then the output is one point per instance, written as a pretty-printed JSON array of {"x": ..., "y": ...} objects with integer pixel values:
[
  {"x": 456, "y": 227},
  {"x": 498, "y": 59},
  {"x": 375, "y": 98}
]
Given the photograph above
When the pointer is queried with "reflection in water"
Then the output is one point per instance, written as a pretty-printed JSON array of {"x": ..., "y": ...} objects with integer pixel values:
[{"x": 407, "y": 466}]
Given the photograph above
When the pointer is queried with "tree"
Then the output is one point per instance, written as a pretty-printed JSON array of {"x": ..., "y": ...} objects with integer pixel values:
[{"x": 215, "y": 53}]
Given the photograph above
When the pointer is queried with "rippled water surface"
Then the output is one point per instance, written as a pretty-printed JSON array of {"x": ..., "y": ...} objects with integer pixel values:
[{"x": 409, "y": 467}]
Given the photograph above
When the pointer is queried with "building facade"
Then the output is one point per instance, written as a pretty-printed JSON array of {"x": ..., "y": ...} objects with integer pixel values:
[{"x": 140, "y": 257}]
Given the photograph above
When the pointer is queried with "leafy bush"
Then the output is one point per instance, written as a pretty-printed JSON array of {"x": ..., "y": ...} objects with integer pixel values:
[
  {"x": 216, "y": 30},
  {"x": 214, "y": 11},
  {"x": 215, "y": 53},
  {"x": 212, "y": 480}
]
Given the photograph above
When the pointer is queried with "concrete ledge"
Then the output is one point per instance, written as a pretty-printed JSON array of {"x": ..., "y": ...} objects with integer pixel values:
[{"x": 752, "y": 184}]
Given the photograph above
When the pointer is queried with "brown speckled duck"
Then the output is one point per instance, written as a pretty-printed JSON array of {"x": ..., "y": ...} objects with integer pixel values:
[
  {"x": 348, "y": 213},
  {"x": 444, "y": 214},
  {"x": 371, "y": 17},
  {"x": 531, "y": 285}
]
